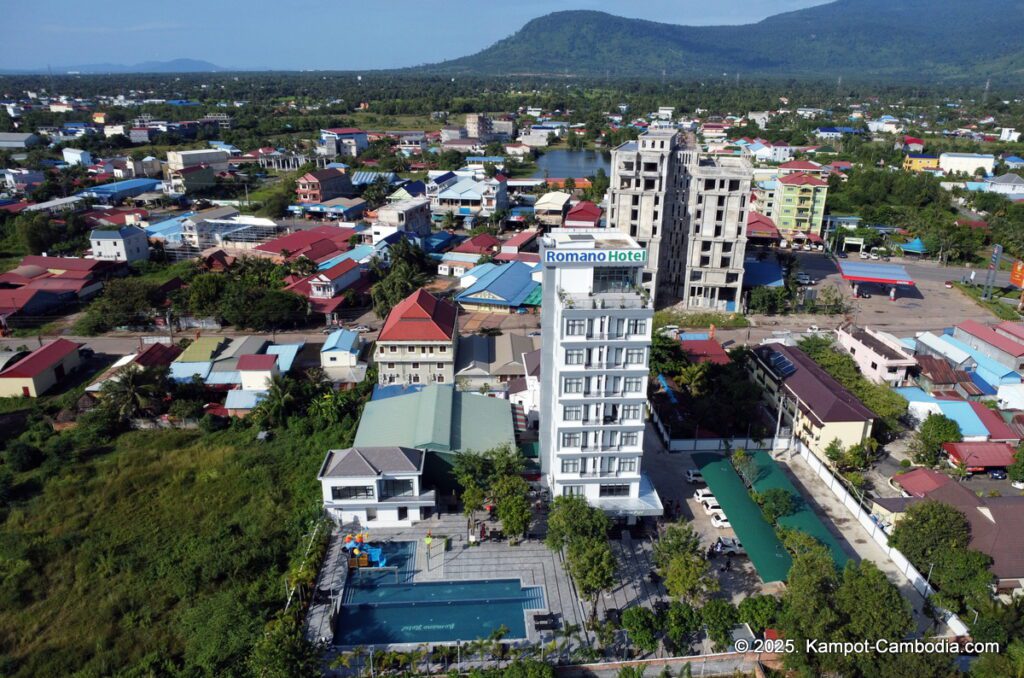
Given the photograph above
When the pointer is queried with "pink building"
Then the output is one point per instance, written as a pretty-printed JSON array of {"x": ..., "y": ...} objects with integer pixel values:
[{"x": 879, "y": 356}]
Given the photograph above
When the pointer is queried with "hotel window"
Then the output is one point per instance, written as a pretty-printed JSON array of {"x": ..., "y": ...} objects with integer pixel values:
[
  {"x": 614, "y": 279},
  {"x": 614, "y": 491},
  {"x": 572, "y": 490},
  {"x": 627, "y": 465},
  {"x": 635, "y": 356},
  {"x": 394, "y": 349},
  {"x": 637, "y": 327},
  {"x": 391, "y": 366},
  {"x": 570, "y": 466},
  {"x": 571, "y": 439},
  {"x": 572, "y": 413},
  {"x": 574, "y": 356},
  {"x": 352, "y": 492},
  {"x": 572, "y": 386},
  {"x": 575, "y": 328},
  {"x": 415, "y": 378},
  {"x": 442, "y": 349},
  {"x": 630, "y": 411},
  {"x": 634, "y": 384},
  {"x": 415, "y": 366},
  {"x": 630, "y": 439}
]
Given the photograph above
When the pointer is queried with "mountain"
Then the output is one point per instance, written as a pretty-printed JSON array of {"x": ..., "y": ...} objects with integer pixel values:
[
  {"x": 873, "y": 39},
  {"x": 172, "y": 66}
]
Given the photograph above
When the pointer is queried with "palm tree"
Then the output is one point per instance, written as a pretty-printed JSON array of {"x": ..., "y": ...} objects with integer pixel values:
[
  {"x": 132, "y": 391},
  {"x": 278, "y": 403}
]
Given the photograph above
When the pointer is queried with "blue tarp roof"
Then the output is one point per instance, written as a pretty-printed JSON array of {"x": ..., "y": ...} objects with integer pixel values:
[
  {"x": 915, "y": 246},
  {"x": 767, "y": 273},
  {"x": 511, "y": 284}
]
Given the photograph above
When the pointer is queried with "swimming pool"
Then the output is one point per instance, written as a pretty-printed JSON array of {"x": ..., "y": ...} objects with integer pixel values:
[{"x": 379, "y": 608}]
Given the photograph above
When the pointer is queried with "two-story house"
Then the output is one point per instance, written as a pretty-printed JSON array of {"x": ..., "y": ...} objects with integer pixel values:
[
  {"x": 332, "y": 281},
  {"x": 418, "y": 341},
  {"x": 879, "y": 356},
  {"x": 375, "y": 486},
  {"x": 323, "y": 185},
  {"x": 128, "y": 243}
]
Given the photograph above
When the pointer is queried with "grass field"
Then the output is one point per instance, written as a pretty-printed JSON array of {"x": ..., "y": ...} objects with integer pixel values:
[{"x": 164, "y": 554}]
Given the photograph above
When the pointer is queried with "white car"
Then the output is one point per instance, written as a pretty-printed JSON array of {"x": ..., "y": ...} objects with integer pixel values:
[
  {"x": 864, "y": 255},
  {"x": 362, "y": 328},
  {"x": 804, "y": 279},
  {"x": 874, "y": 256},
  {"x": 711, "y": 506},
  {"x": 702, "y": 494},
  {"x": 729, "y": 546},
  {"x": 718, "y": 519},
  {"x": 1017, "y": 485},
  {"x": 694, "y": 476}
]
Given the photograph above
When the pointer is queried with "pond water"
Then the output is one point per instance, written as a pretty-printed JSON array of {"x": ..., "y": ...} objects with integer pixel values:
[{"x": 561, "y": 163}]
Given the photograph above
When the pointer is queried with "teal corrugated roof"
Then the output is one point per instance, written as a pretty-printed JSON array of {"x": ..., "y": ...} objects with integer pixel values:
[{"x": 286, "y": 354}]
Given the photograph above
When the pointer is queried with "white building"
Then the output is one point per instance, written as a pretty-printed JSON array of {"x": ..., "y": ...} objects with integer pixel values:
[
  {"x": 406, "y": 216},
  {"x": 128, "y": 243},
  {"x": 1007, "y": 184},
  {"x": 77, "y": 156},
  {"x": 375, "y": 486},
  {"x": 880, "y": 356},
  {"x": 596, "y": 336},
  {"x": 179, "y": 160},
  {"x": 966, "y": 163},
  {"x": 339, "y": 357},
  {"x": 665, "y": 112},
  {"x": 1009, "y": 134}
]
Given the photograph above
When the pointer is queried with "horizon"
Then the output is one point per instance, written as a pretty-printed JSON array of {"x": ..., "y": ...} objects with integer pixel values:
[{"x": 423, "y": 36}]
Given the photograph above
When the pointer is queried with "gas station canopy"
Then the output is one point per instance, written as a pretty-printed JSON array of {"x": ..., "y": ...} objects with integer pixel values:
[{"x": 884, "y": 274}]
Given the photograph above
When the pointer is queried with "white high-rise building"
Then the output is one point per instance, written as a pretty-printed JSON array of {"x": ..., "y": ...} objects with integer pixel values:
[{"x": 596, "y": 339}]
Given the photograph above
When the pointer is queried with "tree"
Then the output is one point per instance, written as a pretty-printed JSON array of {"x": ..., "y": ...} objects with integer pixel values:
[
  {"x": 473, "y": 497},
  {"x": 280, "y": 401},
  {"x": 283, "y": 652},
  {"x": 513, "y": 506},
  {"x": 642, "y": 626},
  {"x": 1016, "y": 469},
  {"x": 808, "y": 612},
  {"x": 768, "y": 300},
  {"x": 376, "y": 193},
  {"x": 572, "y": 518},
  {"x": 681, "y": 622},
  {"x": 775, "y": 503},
  {"x": 21, "y": 457},
  {"x": 719, "y": 616},
  {"x": 124, "y": 302},
  {"x": 926, "y": 529},
  {"x": 592, "y": 566},
  {"x": 680, "y": 560},
  {"x": 935, "y": 430},
  {"x": 133, "y": 390},
  {"x": 744, "y": 465},
  {"x": 759, "y": 612},
  {"x": 204, "y": 294},
  {"x": 667, "y": 356},
  {"x": 871, "y": 604}
]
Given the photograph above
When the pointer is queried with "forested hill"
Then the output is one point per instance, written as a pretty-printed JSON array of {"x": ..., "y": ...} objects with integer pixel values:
[{"x": 919, "y": 40}]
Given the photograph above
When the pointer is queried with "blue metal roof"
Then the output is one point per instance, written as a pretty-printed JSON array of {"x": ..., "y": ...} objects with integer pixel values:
[
  {"x": 959, "y": 411},
  {"x": 286, "y": 354},
  {"x": 223, "y": 378},
  {"x": 357, "y": 254},
  {"x": 988, "y": 369},
  {"x": 365, "y": 177},
  {"x": 342, "y": 340},
  {"x": 141, "y": 185},
  {"x": 185, "y": 371},
  {"x": 985, "y": 387},
  {"x": 243, "y": 400},
  {"x": 915, "y": 246},
  {"x": 511, "y": 284},
  {"x": 889, "y": 274},
  {"x": 393, "y": 390}
]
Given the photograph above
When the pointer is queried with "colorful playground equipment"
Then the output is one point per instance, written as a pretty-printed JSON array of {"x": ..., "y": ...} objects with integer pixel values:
[{"x": 362, "y": 553}]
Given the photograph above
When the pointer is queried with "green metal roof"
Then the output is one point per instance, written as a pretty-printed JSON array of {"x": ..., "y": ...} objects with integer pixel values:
[
  {"x": 200, "y": 351},
  {"x": 769, "y": 475},
  {"x": 438, "y": 419},
  {"x": 769, "y": 556},
  {"x": 534, "y": 297}
]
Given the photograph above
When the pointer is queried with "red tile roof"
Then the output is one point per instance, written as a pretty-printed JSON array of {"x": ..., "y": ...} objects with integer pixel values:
[
  {"x": 256, "y": 363},
  {"x": 41, "y": 359},
  {"x": 920, "y": 481},
  {"x": 421, "y": 317},
  {"x": 992, "y": 338},
  {"x": 802, "y": 179},
  {"x": 345, "y": 130},
  {"x": 63, "y": 263},
  {"x": 584, "y": 211},
  {"x": 520, "y": 239},
  {"x": 761, "y": 226},
  {"x": 478, "y": 244},
  {"x": 913, "y": 140},
  {"x": 299, "y": 242},
  {"x": 998, "y": 430},
  {"x": 801, "y": 165},
  {"x": 980, "y": 455},
  {"x": 338, "y": 270}
]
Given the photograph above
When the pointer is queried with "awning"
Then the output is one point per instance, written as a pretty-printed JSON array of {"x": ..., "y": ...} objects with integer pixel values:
[
  {"x": 885, "y": 274},
  {"x": 915, "y": 246}
]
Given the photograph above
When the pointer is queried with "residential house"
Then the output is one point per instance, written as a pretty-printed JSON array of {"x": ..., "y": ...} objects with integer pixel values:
[
  {"x": 919, "y": 162},
  {"x": 441, "y": 421},
  {"x": 128, "y": 243},
  {"x": 191, "y": 179},
  {"x": 153, "y": 355},
  {"x": 481, "y": 245},
  {"x": 458, "y": 264},
  {"x": 583, "y": 214},
  {"x": 331, "y": 288},
  {"x": 418, "y": 342},
  {"x": 997, "y": 523},
  {"x": 257, "y": 371},
  {"x": 488, "y": 364},
  {"x": 217, "y": 159},
  {"x": 40, "y": 370},
  {"x": 705, "y": 351},
  {"x": 410, "y": 216},
  {"x": 510, "y": 288},
  {"x": 810, "y": 167},
  {"x": 471, "y": 198},
  {"x": 1007, "y": 184},
  {"x": 370, "y": 487},
  {"x": 346, "y": 141},
  {"x": 323, "y": 185},
  {"x": 340, "y": 357},
  {"x": 524, "y": 392},
  {"x": 910, "y": 145},
  {"x": 77, "y": 156},
  {"x": 880, "y": 357},
  {"x": 552, "y": 208},
  {"x": 817, "y": 407}
]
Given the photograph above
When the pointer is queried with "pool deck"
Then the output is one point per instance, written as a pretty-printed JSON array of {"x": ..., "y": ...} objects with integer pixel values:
[{"x": 531, "y": 562}]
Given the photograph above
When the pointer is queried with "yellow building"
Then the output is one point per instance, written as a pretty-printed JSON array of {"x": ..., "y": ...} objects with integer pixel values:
[
  {"x": 815, "y": 406},
  {"x": 40, "y": 370},
  {"x": 919, "y": 162}
]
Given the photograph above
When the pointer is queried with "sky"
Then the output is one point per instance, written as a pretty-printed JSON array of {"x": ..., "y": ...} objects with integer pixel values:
[{"x": 309, "y": 34}]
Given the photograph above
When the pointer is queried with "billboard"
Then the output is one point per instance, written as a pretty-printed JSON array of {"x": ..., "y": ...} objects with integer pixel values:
[{"x": 1017, "y": 274}]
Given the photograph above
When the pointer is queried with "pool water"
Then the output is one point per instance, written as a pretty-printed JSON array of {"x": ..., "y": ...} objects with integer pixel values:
[{"x": 380, "y": 607}]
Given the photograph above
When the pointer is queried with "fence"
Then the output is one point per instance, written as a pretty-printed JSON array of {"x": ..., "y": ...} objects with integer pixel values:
[{"x": 867, "y": 521}]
